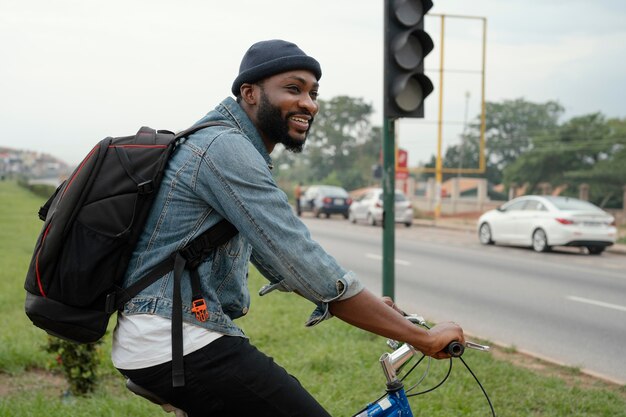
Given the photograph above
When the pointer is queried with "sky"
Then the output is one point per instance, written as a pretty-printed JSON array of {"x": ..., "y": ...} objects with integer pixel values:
[{"x": 75, "y": 71}]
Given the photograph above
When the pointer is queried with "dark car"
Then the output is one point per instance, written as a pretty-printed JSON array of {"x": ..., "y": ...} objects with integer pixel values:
[{"x": 325, "y": 199}]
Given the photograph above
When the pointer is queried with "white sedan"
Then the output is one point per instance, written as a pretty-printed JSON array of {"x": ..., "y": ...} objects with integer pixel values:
[
  {"x": 542, "y": 222},
  {"x": 369, "y": 207}
]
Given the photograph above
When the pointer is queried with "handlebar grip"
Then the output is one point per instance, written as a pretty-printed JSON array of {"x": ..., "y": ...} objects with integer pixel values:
[{"x": 455, "y": 349}]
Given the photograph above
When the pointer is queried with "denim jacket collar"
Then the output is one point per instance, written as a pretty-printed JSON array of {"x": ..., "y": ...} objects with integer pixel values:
[{"x": 232, "y": 111}]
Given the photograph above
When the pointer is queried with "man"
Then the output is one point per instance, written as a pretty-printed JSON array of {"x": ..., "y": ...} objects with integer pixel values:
[{"x": 224, "y": 172}]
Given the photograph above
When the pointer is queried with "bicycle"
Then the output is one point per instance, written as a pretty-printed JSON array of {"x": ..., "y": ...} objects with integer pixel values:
[{"x": 395, "y": 401}]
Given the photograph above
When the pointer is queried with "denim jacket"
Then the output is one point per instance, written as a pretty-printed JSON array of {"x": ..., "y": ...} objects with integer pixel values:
[{"x": 224, "y": 172}]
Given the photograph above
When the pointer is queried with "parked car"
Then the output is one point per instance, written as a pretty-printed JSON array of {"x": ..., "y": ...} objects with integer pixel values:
[
  {"x": 325, "y": 199},
  {"x": 542, "y": 222},
  {"x": 369, "y": 207}
]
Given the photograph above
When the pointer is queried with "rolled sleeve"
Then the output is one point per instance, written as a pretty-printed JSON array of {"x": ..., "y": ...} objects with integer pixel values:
[{"x": 351, "y": 287}]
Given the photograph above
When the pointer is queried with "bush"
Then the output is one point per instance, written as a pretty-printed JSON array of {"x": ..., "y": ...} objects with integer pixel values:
[
  {"x": 79, "y": 363},
  {"x": 41, "y": 190}
]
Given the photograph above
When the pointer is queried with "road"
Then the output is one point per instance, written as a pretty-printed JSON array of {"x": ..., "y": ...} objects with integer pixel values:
[{"x": 564, "y": 306}]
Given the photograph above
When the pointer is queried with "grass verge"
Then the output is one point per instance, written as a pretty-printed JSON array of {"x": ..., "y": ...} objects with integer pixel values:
[{"x": 337, "y": 363}]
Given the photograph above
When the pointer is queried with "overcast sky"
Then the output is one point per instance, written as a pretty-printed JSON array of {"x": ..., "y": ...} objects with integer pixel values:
[{"x": 75, "y": 71}]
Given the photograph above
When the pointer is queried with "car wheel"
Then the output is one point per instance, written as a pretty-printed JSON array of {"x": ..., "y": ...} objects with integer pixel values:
[
  {"x": 595, "y": 250},
  {"x": 327, "y": 215},
  {"x": 345, "y": 215},
  {"x": 540, "y": 241},
  {"x": 371, "y": 220},
  {"x": 351, "y": 217},
  {"x": 408, "y": 224},
  {"x": 484, "y": 234}
]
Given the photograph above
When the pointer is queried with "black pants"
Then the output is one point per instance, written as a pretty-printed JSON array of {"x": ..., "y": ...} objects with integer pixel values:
[{"x": 230, "y": 377}]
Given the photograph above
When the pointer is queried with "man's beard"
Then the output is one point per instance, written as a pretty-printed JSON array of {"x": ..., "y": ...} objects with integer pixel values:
[{"x": 275, "y": 127}]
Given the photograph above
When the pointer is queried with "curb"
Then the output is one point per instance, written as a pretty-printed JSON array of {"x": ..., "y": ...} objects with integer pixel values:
[
  {"x": 548, "y": 359},
  {"x": 617, "y": 248}
]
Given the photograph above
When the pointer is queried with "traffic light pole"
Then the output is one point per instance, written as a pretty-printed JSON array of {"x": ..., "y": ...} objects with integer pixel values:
[
  {"x": 389, "y": 187},
  {"x": 405, "y": 88}
]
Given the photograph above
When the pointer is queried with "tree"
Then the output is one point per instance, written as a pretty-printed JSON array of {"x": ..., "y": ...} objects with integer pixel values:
[
  {"x": 526, "y": 145},
  {"x": 607, "y": 176},
  {"x": 509, "y": 129},
  {"x": 511, "y": 125},
  {"x": 560, "y": 157}
]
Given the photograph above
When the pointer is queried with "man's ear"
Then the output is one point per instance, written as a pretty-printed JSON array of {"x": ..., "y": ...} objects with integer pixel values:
[{"x": 249, "y": 93}]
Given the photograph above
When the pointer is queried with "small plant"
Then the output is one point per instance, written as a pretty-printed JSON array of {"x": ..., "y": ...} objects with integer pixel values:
[{"x": 79, "y": 363}]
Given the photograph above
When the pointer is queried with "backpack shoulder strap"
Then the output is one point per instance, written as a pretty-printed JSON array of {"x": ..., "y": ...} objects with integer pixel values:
[
  {"x": 193, "y": 253},
  {"x": 194, "y": 129},
  {"x": 190, "y": 258}
]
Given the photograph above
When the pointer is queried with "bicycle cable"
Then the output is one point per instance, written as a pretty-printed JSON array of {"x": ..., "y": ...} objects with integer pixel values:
[
  {"x": 445, "y": 378},
  {"x": 493, "y": 412},
  {"x": 424, "y": 374},
  {"x": 436, "y": 386}
]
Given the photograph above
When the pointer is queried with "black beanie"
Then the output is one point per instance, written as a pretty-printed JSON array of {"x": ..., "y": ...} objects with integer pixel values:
[{"x": 267, "y": 58}]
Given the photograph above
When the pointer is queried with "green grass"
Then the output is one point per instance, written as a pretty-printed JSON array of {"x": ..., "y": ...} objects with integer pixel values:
[
  {"x": 19, "y": 226},
  {"x": 337, "y": 363}
]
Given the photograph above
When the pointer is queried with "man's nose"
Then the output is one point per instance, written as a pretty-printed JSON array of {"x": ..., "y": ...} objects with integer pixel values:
[{"x": 306, "y": 102}]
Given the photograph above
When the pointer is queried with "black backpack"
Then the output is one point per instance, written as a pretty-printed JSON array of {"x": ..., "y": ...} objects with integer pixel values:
[{"x": 91, "y": 226}]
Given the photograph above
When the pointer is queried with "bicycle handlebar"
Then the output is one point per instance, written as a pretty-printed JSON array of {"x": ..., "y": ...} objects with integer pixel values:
[
  {"x": 396, "y": 398},
  {"x": 391, "y": 362},
  {"x": 455, "y": 349}
]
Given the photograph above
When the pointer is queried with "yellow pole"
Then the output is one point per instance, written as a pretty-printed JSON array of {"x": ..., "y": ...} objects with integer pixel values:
[{"x": 439, "y": 164}]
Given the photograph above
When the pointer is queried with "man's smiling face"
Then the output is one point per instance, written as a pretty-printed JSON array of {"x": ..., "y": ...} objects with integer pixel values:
[{"x": 286, "y": 109}]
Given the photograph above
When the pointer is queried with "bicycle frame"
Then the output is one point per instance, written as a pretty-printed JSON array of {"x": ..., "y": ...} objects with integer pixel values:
[{"x": 394, "y": 404}]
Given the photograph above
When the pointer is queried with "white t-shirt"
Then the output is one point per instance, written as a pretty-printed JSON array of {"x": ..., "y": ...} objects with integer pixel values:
[{"x": 144, "y": 340}]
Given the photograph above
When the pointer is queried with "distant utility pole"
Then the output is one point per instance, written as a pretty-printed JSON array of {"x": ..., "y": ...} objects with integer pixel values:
[{"x": 462, "y": 154}]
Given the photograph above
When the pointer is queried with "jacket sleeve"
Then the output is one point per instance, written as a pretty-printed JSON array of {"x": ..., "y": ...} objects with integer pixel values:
[{"x": 243, "y": 191}]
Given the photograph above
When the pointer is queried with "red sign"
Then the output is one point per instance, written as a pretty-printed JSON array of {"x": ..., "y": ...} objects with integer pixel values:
[
  {"x": 403, "y": 158},
  {"x": 402, "y": 175}
]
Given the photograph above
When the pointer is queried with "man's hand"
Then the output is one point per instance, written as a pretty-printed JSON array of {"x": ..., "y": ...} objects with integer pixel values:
[
  {"x": 383, "y": 317},
  {"x": 440, "y": 333},
  {"x": 443, "y": 334}
]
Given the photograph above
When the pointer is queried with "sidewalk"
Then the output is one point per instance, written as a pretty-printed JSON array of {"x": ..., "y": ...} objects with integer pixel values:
[{"x": 470, "y": 225}]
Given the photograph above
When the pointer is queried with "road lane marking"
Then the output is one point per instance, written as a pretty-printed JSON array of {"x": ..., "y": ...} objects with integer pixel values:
[
  {"x": 380, "y": 258},
  {"x": 596, "y": 303}
]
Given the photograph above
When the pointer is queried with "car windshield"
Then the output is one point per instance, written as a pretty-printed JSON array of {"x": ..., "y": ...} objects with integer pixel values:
[
  {"x": 572, "y": 204},
  {"x": 398, "y": 197},
  {"x": 333, "y": 192}
]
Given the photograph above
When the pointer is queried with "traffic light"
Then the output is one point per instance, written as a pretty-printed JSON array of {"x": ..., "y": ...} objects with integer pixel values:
[{"x": 406, "y": 45}]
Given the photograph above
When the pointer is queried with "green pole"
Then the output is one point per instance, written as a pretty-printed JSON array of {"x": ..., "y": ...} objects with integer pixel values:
[{"x": 389, "y": 186}]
